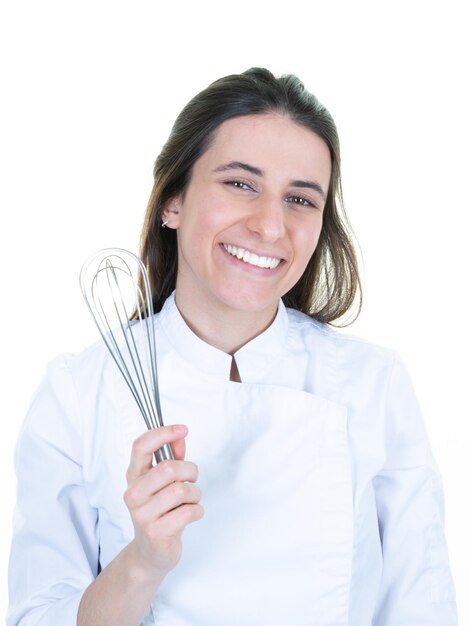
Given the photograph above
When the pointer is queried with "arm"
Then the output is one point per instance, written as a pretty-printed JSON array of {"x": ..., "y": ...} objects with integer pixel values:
[
  {"x": 162, "y": 500},
  {"x": 54, "y": 555},
  {"x": 416, "y": 585}
]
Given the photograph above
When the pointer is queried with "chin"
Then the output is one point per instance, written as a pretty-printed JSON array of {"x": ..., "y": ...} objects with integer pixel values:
[{"x": 249, "y": 302}]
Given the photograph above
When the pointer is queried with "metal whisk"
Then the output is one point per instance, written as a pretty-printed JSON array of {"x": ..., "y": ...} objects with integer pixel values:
[{"x": 109, "y": 280}]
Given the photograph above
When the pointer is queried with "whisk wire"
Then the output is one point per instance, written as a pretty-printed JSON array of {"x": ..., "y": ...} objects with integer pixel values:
[
  {"x": 113, "y": 346},
  {"x": 131, "y": 345},
  {"x": 131, "y": 342}
]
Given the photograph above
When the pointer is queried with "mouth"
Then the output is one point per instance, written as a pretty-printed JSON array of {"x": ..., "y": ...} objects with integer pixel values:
[{"x": 266, "y": 262}]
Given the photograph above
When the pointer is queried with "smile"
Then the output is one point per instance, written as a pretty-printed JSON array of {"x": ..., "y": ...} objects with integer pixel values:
[{"x": 251, "y": 258}]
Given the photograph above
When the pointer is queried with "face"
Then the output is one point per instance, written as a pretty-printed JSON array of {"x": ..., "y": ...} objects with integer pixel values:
[{"x": 251, "y": 216}]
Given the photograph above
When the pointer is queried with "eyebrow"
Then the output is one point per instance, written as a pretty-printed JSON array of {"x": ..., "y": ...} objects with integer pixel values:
[{"x": 306, "y": 184}]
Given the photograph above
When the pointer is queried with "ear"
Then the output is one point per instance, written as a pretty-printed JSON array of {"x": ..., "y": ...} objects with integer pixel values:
[{"x": 171, "y": 213}]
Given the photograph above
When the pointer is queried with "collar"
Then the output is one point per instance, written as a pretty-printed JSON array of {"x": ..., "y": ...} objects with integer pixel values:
[{"x": 252, "y": 359}]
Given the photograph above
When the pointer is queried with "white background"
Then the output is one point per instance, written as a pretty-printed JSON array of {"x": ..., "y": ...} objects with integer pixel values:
[{"x": 89, "y": 93}]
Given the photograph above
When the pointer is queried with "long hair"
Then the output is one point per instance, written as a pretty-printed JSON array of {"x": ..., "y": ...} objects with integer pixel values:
[{"x": 328, "y": 287}]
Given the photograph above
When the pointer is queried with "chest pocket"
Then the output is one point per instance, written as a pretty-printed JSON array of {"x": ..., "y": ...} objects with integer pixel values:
[{"x": 275, "y": 544}]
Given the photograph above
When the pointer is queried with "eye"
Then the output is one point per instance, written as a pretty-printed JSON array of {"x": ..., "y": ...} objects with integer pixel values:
[
  {"x": 301, "y": 201},
  {"x": 238, "y": 184}
]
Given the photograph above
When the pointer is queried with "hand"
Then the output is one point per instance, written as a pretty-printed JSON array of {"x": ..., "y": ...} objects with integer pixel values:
[{"x": 161, "y": 499}]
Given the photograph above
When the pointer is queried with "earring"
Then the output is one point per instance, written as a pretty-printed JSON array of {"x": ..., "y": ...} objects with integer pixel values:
[{"x": 164, "y": 223}]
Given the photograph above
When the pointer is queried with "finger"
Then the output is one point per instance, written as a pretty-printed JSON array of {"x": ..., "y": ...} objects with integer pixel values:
[
  {"x": 179, "y": 449},
  {"x": 169, "y": 498},
  {"x": 175, "y": 520},
  {"x": 144, "y": 447},
  {"x": 157, "y": 478}
]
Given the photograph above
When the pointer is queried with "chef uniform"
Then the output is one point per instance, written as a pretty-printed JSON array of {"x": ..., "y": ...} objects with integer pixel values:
[{"x": 323, "y": 504}]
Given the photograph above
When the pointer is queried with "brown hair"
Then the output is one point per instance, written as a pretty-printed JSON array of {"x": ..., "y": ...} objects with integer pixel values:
[{"x": 330, "y": 283}]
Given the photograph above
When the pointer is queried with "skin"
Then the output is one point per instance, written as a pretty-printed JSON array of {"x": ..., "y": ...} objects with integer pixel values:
[
  {"x": 226, "y": 302},
  {"x": 162, "y": 501}
]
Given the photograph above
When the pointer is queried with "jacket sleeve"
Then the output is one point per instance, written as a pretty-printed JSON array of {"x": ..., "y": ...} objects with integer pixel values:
[
  {"x": 54, "y": 553},
  {"x": 416, "y": 586}
]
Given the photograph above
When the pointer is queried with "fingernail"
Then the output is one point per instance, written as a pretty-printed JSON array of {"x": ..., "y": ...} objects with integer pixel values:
[{"x": 180, "y": 429}]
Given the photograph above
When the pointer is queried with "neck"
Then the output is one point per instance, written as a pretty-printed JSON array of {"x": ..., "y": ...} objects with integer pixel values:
[{"x": 227, "y": 330}]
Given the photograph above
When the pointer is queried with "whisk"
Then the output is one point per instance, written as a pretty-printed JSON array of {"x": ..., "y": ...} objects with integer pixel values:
[{"x": 123, "y": 313}]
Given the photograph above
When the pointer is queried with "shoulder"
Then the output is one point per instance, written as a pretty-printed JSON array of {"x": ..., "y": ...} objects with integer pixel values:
[
  {"x": 76, "y": 379},
  {"x": 370, "y": 379},
  {"x": 76, "y": 364},
  {"x": 347, "y": 366},
  {"x": 313, "y": 331}
]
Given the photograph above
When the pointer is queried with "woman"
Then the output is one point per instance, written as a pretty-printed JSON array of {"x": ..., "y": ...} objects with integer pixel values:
[{"x": 305, "y": 446}]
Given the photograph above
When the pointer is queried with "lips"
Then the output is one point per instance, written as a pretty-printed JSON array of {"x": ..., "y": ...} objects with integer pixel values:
[{"x": 266, "y": 262}]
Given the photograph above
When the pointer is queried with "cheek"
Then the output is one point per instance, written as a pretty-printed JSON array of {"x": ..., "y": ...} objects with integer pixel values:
[
  {"x": 202, "y": 221},
  {"x": 307, "y": 240},
  {"x": 207, "y": 213}
]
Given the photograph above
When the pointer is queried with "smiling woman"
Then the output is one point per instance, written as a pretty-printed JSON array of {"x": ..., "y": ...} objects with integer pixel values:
[
  {"x": 240, "y": 224},
  {"x": 330, "y": 286},
  {"x": 322, "y": 501}
]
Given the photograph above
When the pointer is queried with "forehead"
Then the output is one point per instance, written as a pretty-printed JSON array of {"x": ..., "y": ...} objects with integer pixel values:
[{"x": 272, "y": 142}]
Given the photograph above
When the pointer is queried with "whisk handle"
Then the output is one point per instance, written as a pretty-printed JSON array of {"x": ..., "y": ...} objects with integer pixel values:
[{"x": 164, "y": 453}]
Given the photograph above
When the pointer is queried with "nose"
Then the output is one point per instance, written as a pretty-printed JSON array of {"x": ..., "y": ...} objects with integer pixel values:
[{"x": 267, "y": 219}]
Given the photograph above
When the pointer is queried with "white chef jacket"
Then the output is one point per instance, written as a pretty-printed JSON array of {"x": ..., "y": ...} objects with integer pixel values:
[{"x": 323, "y": 504}]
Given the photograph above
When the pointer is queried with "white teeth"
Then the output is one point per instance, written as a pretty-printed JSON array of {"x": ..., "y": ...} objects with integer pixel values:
[{"x": 251, "y": 258}]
